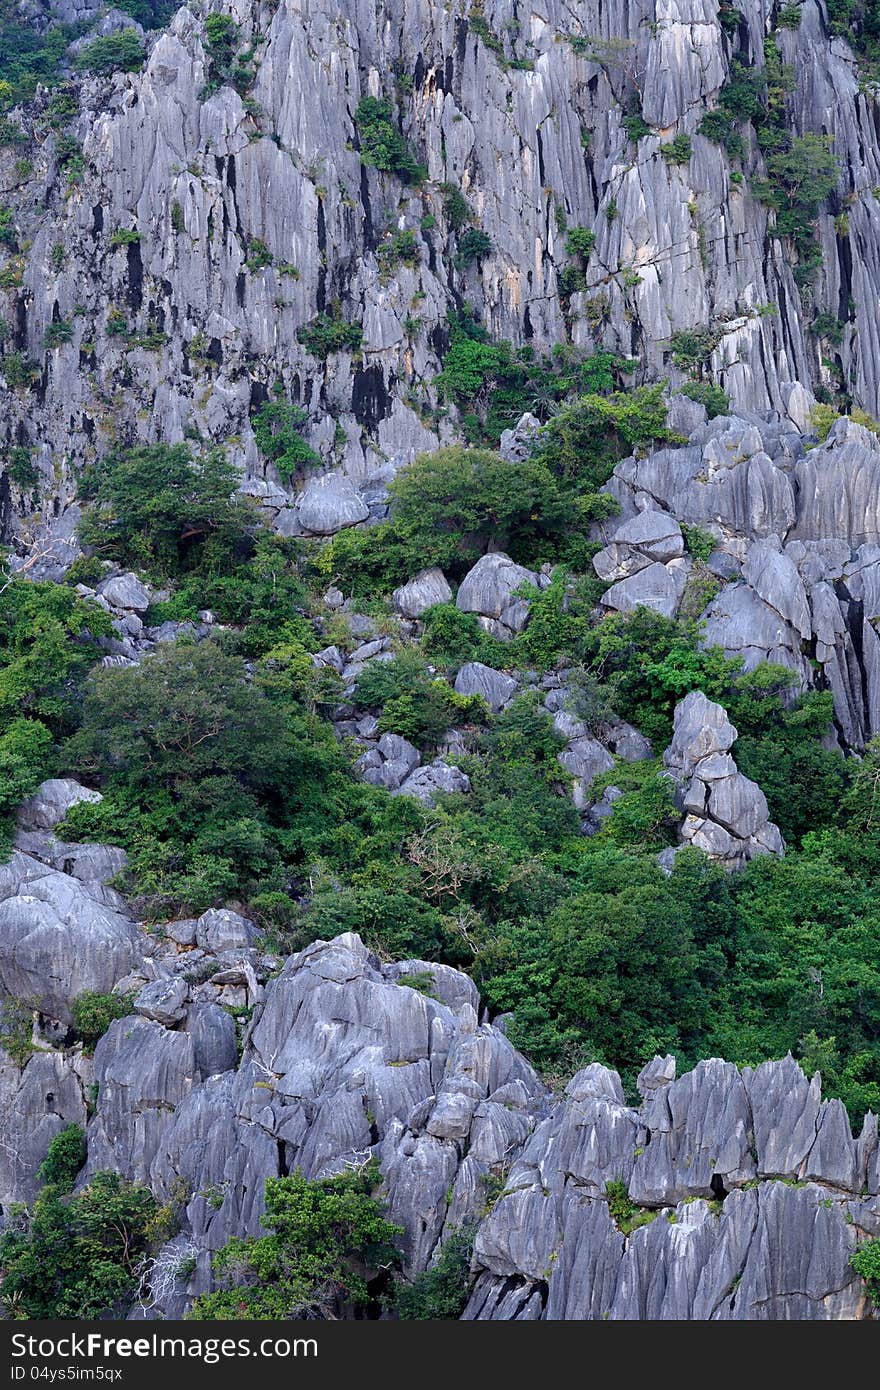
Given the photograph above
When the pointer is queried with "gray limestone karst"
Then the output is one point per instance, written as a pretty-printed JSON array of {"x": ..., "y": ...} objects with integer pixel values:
[
  {"x": 490, "y": 589},
  {"x": 51, "y": 802},
  {"x": 749, "y": 1190},
  {"x": 422, "y": 591},
  {"x": 496, "y": 688},
  {"x": 59, "y": 936},
  {"x": 725, "y": 813}
]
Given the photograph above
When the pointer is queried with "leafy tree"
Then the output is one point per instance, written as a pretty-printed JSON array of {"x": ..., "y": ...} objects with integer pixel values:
[
  {"x": 65, "y": 1156},
  {"x": 329, "y": 1253},
  {"x": 157, "y": 506},
  {"x": 801, "y": 176},
  {"x": 586, "y": 439},
  {"x": 75, "y": 1257},
  {"x": 451, "y": 506},
  {"x": 119, "y": 52}
]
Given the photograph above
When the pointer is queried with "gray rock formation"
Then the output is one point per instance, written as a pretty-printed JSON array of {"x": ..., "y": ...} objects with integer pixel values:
[
  {"x": 51, "y": 802},
  {"x": 798, "y": 557},
  {"x": 494, "y": 687},
  {"x": 726, "y": 814},
  {"x": 717, "y": 1242},
  {"x": 59, "y": 937},
  {"x": 749, "y": 1191},
  {"x": 423, "y": 591},
  {"x": 490, "y": 590}
]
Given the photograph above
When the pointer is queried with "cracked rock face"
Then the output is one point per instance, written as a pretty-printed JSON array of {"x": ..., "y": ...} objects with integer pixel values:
[
  {"x": 750, "y": 1191},
  {"x": 797, "y": 561},
  {"x": 726, "y": 814}
]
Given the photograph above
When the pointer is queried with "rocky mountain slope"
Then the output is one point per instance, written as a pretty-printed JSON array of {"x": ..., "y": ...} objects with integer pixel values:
[
  {"x": 203, "y": 228},
  {"x": 350, "y": 823}
]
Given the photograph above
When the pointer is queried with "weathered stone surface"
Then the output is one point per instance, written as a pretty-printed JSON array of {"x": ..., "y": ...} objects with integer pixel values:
[
  {"x": 57, "y": 938},
  {"x": 488, "y": 590},
  {"x": 36, "y": 1102},
  {"x": 329, "y": 504},
  {"x": 218, "y": 929},
  {"x": 143, "y": 1072},
  {"x": 51, "y": 802},
  {"x": 164, "y": 1000},
  {"x": 656, "y": 586},
  {"x": 726, "y": 813},
  {"x": 125, "y": 591},
  {"x": 427, "y": 588},
  {"x": 495, "y": 687}
]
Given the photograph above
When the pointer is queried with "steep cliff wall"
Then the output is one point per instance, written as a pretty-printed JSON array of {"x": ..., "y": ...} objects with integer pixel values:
[{"x": 253, "y": 214}]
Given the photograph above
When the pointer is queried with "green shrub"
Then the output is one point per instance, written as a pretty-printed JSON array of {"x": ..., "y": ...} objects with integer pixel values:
[
  {"x": 473, "y": 245},
  {"x": 259, "y": 256},
  {"x": 20, "y": 371},
  {"x": 634, "y": 123},
  {"x": 125, "y": 236},
  {"x": 20, "y": 467},
  {"x": 441, "y": 1292},
  {"x": 119, "y": 52},
  {"x": 456, "y": 208},
  {"x": 692, "y": 348},
  {"x": 626, "y": 1216},
  {"x": 801, "y": 176},
  {"x": 327, "y": 1247},
  {"x": 155, "y": 505},
  {"x": 450, "y": 506},
  {"x": 716, "y": 401},
  {"x": 381, "y": 143},
  {"x": 584, "y": 440},
  {"x": 65, "y": 1156},
  {"x": 93, "y": 1013},
  {"x": 789, "y": 17},
  {"x": 277, "y": 426},
  {"x": 581, "y": 242},
  {"x": 328, "y": 333},
  {"x": 678, "y": 151},
  {"x": 16, "y": 1030},
  {"x": 699, "y": 543},
  {"x": 830, "y": 327},
  {"x": 58, "y": 333},
  {"x": 866, "y": 1263},
  {"x": 401, "y": 248}
]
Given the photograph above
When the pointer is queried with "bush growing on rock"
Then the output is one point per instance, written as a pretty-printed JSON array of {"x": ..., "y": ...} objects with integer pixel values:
[
  {"x": 157, "y": 506},
  {"x": 330, "y": 1252},
  {"x": 94, "y": 1012},
  {"x": 76, "y": 1257},
  {"x": 66, "y": 1155},
  {"x": 119, "y": 52}
]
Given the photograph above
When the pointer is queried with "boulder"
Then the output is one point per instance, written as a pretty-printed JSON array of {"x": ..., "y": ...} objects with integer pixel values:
[
  {"x": 495, "y": 687},
  {"x": 163, "y": 1000},
  {"x": 125, "y": 591},
  {"x": 328, "y": 504},
  {"x": 57, "y": 939},
  {"x": 657, "y": 586},
  {"x": 218, "y": 929},
  {"x": 51, "y": 802},
  {"x": 427, "y": 588},
  {"x": 488, "y": 590}
]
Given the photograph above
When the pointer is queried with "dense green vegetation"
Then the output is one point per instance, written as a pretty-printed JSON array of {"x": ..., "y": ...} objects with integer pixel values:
[
  {"x": 223, "y": 780},
  {"x": 329, "y": 1253},
  {"x": 75, "y": 1257}
]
